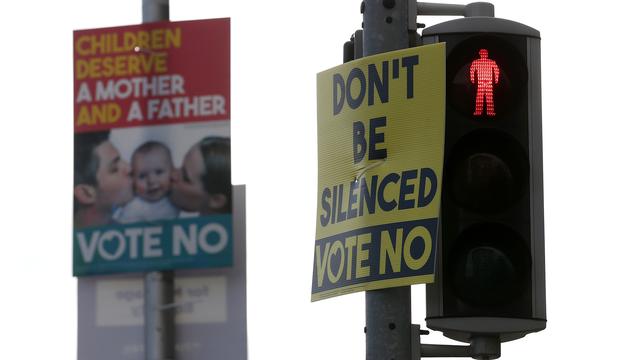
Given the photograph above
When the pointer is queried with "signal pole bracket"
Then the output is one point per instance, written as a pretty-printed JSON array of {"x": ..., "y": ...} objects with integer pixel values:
[{"x": 482, "y": 347}]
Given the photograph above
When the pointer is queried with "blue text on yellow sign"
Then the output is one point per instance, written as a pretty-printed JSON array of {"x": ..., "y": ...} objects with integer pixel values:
[{"x": 380, "y": 152}]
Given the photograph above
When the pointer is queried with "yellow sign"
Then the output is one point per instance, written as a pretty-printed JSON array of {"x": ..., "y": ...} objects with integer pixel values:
[{"x": 380, "y": 153}]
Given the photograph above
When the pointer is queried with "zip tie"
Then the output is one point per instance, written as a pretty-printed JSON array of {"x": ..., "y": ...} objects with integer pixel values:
[
  {"x": 172, "y": 305},
  {"x": 139, "y": 49},
  {"x": 369, "y": 167},
  {"x": 169, "y": 306}
]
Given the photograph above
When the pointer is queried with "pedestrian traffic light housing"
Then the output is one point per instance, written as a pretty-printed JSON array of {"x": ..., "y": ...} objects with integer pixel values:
[{"x": 490, "y": 253}]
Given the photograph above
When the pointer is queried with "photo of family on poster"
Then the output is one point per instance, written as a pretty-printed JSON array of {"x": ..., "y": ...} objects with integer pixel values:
[{"x": 153, "y": 173}]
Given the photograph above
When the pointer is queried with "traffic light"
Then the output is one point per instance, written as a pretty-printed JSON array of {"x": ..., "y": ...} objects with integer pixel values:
[{"x": 490, "y": 263}]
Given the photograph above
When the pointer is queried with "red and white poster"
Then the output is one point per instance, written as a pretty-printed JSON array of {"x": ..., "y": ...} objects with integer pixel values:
[{"x": 152, "y": 173}]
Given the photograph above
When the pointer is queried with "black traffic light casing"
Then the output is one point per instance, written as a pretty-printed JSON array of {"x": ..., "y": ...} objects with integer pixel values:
[{"x": 490, "y": 263}]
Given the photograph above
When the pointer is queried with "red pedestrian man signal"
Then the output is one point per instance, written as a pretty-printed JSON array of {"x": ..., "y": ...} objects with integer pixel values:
[{"x": 487, "y": 72}]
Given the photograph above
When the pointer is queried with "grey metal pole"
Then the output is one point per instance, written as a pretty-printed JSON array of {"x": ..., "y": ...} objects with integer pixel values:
[
  {"x": 384, "y": 26},
  {"x": 388, "y": 320},
  {"x": 159, "y": 321},
  {"x": 155, "y": 10},
  {"x": 388, "y": 311},
  {"x": 159, "y": 334}
]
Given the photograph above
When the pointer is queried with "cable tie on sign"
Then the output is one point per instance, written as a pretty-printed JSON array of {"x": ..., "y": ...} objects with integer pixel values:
[
  {"x": 151, "y": 52},
  {"x": 369, "y": 167},
  {"x": 172, "y": 305}
]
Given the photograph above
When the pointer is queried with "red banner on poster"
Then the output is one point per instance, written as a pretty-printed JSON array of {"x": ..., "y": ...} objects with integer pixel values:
[{"x": 151, "y": 74}]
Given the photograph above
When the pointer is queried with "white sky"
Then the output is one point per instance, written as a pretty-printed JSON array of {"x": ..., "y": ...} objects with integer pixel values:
[{"x": 590, "y": 119}]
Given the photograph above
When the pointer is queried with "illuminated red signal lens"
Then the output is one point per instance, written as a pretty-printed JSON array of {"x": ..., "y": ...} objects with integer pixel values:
[
  {"x": 484, "y": 72},
  {"x": 485, "y": 77}
]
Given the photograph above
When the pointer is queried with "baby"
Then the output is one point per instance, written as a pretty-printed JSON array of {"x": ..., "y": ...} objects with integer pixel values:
[{"x": 151, "y": 171}]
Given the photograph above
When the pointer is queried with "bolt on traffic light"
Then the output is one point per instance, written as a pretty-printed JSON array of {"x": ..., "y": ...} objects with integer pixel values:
[{"x": 490, "y": 264}]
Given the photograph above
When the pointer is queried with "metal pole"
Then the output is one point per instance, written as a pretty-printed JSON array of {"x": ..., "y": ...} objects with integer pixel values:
[
  {"x": 155, "y": 10},
  {"x": 388, "y": 322},
  {"x": 388, "y": 311},
  {"x": 384, "y": 26},
  {"x": 159, "y": 334},
  {"x": 159, "y": 319}
]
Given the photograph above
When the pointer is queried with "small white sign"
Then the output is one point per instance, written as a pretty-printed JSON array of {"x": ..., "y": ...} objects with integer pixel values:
[{"x": 199, "y": 300}]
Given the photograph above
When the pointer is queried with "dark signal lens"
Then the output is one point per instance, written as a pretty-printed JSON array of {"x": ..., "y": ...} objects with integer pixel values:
[
  {"x": 489, "y": 265},
  {"x": 487, "y": 171}
]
